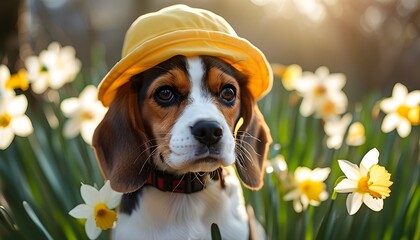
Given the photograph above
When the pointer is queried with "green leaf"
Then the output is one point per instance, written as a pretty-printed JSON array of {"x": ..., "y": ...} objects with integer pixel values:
[
  {"x": 7, "y": 219},
  {"x": 215, "y": 232},
  {"x": 36, "y": 220}
]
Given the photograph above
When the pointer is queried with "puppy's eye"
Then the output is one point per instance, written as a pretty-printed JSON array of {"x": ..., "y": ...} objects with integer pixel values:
[
  {"x": 228, "y": 94},
  {"x": 165, "y": 96}
]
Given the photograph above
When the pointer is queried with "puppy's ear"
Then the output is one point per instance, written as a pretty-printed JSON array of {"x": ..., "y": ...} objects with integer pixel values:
[
  {"x": 121, "y": 145},
  {"x": 253, "y": 139}
]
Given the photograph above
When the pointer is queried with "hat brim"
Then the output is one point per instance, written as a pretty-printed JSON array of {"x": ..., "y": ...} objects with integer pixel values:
[{"x": 238, "y": 52}]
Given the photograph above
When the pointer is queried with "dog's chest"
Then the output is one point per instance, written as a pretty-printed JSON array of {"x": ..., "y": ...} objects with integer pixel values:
[{"x": 163, "y": 215}]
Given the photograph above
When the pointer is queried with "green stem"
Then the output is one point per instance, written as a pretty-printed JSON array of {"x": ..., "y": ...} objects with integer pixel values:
[{"x": 321, "y": 234}]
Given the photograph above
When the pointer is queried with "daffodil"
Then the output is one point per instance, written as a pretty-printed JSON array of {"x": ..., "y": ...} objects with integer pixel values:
[
  {"x": 336, "y": 128},
  {"x": 322, "y": 93},
  {"x": 4, "y": 79},
  {"x": 97, "y": 208},
  {"x": 13, "y": 120},
  {"x": 84, "y": 113},
  {"x": 53, "y": 67},
  {"x": 402, "y": 109},
  {"x": 18, "y": 80},
  {"x": 356, "y": 134},
  {"x": 278, "y": 165},
  {"x": 369, "y": 183},
  {"x": 308, "y": 187},
  {"x": 288, "y": 75}
]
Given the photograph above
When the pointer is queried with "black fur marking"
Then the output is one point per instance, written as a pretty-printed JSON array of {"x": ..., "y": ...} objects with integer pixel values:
[{"x": 130, "y": 202}]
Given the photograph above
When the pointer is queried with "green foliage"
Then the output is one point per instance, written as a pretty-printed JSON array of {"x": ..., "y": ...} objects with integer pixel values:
[
  {"x": 40, "y": 176},
  {"x": 302, "y": 143}
]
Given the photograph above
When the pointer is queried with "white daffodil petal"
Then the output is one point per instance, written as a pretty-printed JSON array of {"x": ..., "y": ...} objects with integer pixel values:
[
  {"x": 306, "y": 83},
  {"x": 297, "y": 206},
  {"x": 390, "y": 122},
  {"x": 307, "y": 106},
  {"x": 22, "y": 126},
  {"x": 82, "y": 211},
  {"x": 71, "y": 128},
  {"x": 105, "y": 192},
  {"x": 349, "y": 169},
  {"x": 70, "y": 106},
  {"x": 17, "y": 105},
  {"x": 322, "y": 72},
  {"x": 404, "y": 128},
  {"x": 346, "y": 186},
  {"x": 89, "y": 194},
  {"x": 4, "y": 75},
  {"x": 354, "y": 202},
  {"x": 323, "y": 196},
  {"x": 314, "y": 203},
  {"x": 302, "y": 173},
  {"x": 413, "y": 98},
  {"x": 372, "y": 203},
  {"x": 305, "y": 201},
  {"x": 40, "y": 84},
  {"x": 89, "y": 94},
  {"x": 294, "y": 194},
  {"x": 87, "y": 129},
  {"x": 330, "y": 127},
  {"x": 6, "y": 137},
  {"x": 388, "y": 105},
  {"x": 57, "y": 78},
  {"x": 320, "y": 174},
  {"x": 399, "y": 92},
  {"x": 92, "y": 231},
  {"x": 114, "y": 200},
  {"x": 334, "y": 142},
  {"x": 370, "y": 159},
  {"x": 335, "y": 81}
]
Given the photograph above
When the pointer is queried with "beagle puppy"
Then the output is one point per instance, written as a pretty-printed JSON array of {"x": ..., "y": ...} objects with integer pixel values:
[{"x": 168, "y": 142}]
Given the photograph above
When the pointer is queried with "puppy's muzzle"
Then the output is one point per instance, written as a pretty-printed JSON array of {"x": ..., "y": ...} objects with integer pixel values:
[{"x": 207, "y": 132}]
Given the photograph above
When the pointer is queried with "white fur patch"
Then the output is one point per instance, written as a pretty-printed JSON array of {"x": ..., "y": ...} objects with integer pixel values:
[
  {"x": 163, "y": 215},
  {"x": 183, "y": 146}
]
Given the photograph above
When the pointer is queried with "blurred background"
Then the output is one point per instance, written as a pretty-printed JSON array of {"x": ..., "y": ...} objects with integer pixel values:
[{"x": 374, "y": 43}]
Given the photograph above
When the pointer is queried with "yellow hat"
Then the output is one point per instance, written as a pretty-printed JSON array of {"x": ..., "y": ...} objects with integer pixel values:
[{"x": 181, "y": 30}]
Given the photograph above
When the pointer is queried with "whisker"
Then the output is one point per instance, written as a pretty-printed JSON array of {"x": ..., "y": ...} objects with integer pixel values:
[
  {"x": 179, "y": 182},
  {"x": 248, "y": 135},
  {"x": 197, "y": 175},
  {"x": 252, "y": 148}
]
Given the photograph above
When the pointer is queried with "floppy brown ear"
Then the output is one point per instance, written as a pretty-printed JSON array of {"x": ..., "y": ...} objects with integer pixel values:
[
  {"x": 121, "y": 144},
  {"x": 253, "y": 139}
]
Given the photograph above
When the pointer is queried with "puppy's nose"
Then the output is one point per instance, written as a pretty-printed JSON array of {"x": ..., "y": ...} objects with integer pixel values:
[{"x": 207, "y": 132}]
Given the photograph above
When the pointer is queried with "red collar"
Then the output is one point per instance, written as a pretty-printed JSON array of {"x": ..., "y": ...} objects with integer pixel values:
[{"x": 188, "y": 183}]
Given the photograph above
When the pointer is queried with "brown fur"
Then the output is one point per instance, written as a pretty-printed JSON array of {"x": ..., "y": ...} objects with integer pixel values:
[{"x": 130, "y": 132}]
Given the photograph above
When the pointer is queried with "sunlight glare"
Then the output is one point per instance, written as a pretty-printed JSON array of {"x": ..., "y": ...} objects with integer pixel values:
[{"x": 311, "y": 8}]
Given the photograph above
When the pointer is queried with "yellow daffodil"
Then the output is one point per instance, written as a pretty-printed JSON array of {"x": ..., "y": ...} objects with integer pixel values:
[
  {"x": 308, "y": 187},
  {"x": 336, "y": 129},
  {"x": 368, "y": 184},
  {"x": 356, "y": 134},
  {"x": 288, "y": 75},
  {"x": 53, "y": 68},
  {"x": 84, "y": 113},
  {"x": 18, "y": 80},
  {"x": 13, "y": 120},
  {"x": 402, "y": 109},
  {"x": 97, "y": 208},
  {"x": 322, "y": 93},
  {"x": 10, "y": 82}
]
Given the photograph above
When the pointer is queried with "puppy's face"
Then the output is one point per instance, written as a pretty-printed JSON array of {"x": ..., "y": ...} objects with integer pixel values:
[
  {"x": 191, "y": 107},
  {"x": 182, "y": 116}
]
